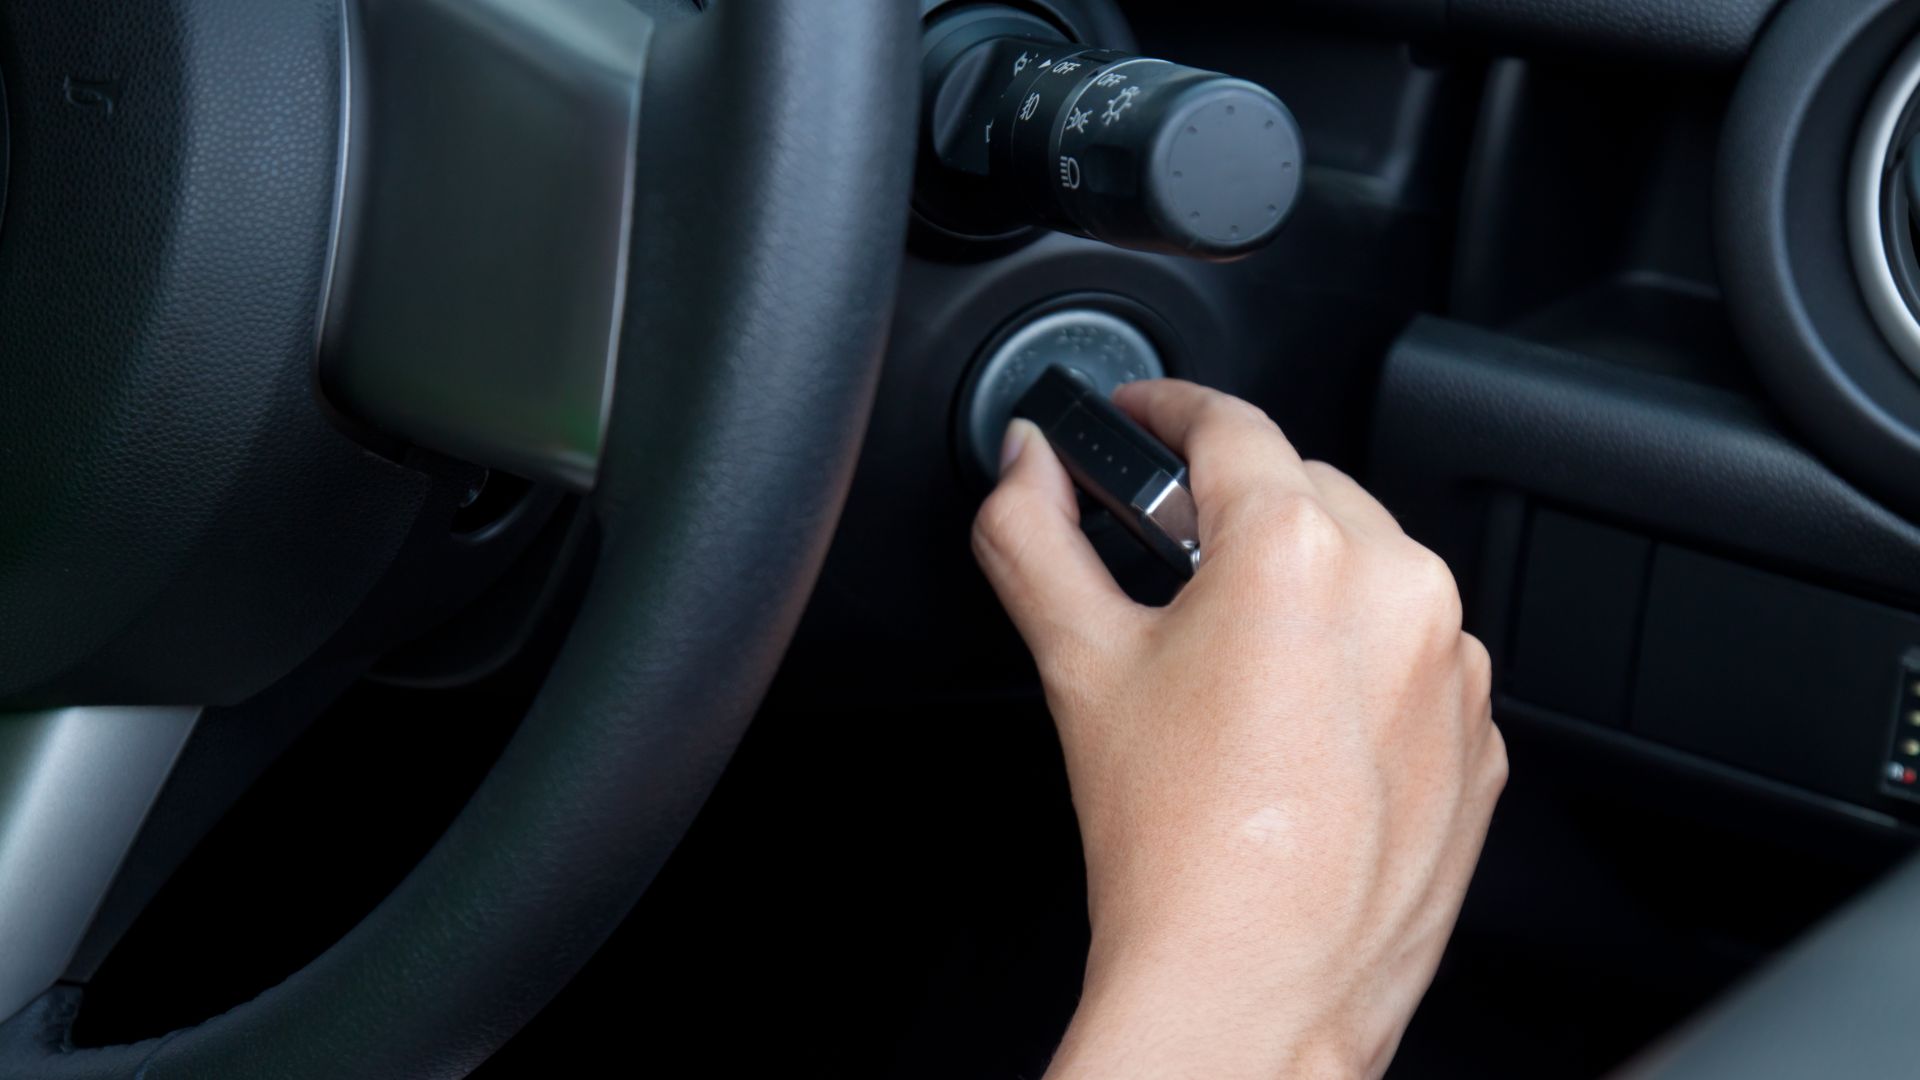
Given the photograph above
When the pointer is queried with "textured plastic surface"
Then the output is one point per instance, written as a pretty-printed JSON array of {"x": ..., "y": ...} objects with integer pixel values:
[
  {"x": 1576, "y": 632},
  {"x": 1643, "y": 450},
  {"x": 1672, "y": 33},
  {"x": 4, "y": 150},
  {"x": 1708, "y": 33},
  {"x": 1792, "y": 682},
  {"x": 181, "y": 522}
]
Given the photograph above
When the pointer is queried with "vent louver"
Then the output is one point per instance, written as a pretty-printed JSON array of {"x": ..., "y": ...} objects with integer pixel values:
[{"x": 1884, "y": 207}]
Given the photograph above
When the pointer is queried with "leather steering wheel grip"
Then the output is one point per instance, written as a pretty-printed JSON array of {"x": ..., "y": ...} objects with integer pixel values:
[{"x": 776, "y": 157}]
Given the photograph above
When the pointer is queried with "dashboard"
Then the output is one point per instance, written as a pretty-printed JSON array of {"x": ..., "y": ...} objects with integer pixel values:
[{"x": 1573, "y": 287}]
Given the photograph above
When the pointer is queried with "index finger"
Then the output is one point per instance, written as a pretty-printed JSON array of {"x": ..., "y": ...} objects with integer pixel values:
[{"x": 1237, "y": 458}]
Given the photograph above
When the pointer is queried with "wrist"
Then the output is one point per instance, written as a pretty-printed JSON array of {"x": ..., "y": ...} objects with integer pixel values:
[{"x": 1169, "y": 1020}]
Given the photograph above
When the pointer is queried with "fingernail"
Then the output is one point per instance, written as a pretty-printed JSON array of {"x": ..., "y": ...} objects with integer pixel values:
[{"x": 1015, "y": 442}]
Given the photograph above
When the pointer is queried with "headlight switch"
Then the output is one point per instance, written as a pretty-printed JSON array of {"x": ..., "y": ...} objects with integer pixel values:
[{"x": 1024, "y": 128}]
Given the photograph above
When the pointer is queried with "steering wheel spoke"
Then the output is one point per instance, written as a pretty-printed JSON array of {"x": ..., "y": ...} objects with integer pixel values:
[
  {"x": 75, "y": 786},
  {"x": 480, "y": 279},
  {"x": 514, "y": 216}
]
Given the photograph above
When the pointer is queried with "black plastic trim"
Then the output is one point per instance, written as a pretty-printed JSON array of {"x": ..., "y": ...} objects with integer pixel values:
[
  {"x": 1462, "y": 410},
  {"x": 1782, "y": 237}
]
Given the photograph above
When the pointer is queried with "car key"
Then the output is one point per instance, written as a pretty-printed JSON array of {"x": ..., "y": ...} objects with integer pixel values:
[{"x": 1118, "y": 463}]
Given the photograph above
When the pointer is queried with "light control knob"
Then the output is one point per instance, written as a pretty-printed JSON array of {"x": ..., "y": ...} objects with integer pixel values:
[{"x": 1130, "y": 150}]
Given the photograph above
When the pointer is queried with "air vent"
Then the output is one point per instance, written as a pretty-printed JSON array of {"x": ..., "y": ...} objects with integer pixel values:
[
  {"x": 3, "y": 151},
  {"x": 1883, "y": 209}
]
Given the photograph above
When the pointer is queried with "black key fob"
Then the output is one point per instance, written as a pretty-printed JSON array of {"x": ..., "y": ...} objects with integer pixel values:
[{"x": 1118, "y": 463}]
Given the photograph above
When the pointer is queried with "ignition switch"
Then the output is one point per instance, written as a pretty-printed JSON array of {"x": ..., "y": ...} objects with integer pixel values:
[{"x": 1025, "y": 128}]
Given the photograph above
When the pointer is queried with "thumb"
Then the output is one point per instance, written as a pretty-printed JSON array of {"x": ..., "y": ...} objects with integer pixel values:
[{"x": 1027, "y": 538}]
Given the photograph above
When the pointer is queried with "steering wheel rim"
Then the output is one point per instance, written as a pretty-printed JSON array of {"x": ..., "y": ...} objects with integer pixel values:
[{"x": 775, "y": 164}]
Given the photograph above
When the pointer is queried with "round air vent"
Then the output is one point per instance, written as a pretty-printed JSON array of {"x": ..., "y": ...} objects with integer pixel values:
[
  {"x": 1814, "y": 223},
  {"x": 1883, "y": 210}
]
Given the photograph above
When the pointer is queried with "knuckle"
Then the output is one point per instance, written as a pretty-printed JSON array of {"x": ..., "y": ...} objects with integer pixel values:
[
  {"x": 1478, "y": 666},
  {"x": 999, "y": 521},
  {"x": 1296, "y": 533},
  {"x": 1429, "y": 582},
  {"x": 1498, "y": 769},
  {"x": 1305, "y": 520},
  {"x": 1222, "y": 426},
  {"x": 1320, "y": 472},
  {"x": 1225, "y": 410}
]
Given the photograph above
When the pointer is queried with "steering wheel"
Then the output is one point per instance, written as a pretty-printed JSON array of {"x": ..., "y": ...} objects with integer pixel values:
[{"x": 174, "y": 204}]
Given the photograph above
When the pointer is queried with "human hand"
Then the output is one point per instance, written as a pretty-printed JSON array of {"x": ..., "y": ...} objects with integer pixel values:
[{"x": 1283, "y": 778}]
